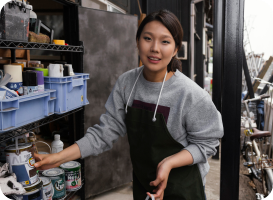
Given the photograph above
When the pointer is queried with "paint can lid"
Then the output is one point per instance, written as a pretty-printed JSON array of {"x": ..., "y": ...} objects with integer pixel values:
[
  {"x": 70, "y": 165},
  {"x": 53, "y": 172},
  {"x": 46, "y": 181},
  {"x": 20, "y": 146}
]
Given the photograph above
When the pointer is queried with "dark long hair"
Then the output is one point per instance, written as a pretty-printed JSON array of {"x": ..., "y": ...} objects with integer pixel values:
[{"x": 170, "y": 21}]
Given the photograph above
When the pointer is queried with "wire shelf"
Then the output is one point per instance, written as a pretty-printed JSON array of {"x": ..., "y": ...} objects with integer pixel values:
[
  {"x": 27, "y": 128},
  {"x": 7, "y": 44}
]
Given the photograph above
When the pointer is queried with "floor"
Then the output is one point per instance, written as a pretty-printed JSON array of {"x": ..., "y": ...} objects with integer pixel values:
[{"x": 212, "y": 186}]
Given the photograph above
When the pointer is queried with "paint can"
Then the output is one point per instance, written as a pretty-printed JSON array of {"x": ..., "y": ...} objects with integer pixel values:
[
  {"x": 33, "y": 192},
  {"x": 40, "y": 81},
  {"x": 72, "y": 175},
  {"x": 48, "y": 190},
  {"x": 21, "y": 162},
  {"x": 57, "y": 177}
]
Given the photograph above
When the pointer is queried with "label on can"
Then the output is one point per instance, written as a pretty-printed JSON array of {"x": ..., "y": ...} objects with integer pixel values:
[
  {"x": 14, "y": 86},
  {"x": 48, "y": 189},
  {"x": 41, "y": 88},
  {"x": 73, "y": 179},
  {"x": 30, "y": 89},
  {"x": 23, "y": 166},
  {"x": 58, "y": 181}
]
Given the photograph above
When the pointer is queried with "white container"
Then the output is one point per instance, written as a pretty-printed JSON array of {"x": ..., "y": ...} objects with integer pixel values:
[
  {"x": 55, "y": 70},
  {"x": 57, "y": 145}
]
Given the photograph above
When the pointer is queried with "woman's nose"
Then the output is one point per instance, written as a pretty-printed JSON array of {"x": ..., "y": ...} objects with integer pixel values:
[{"x": 155, "y": 47}]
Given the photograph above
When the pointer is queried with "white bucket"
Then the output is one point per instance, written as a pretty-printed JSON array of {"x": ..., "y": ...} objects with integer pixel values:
[{"x": 21, "y": 162}]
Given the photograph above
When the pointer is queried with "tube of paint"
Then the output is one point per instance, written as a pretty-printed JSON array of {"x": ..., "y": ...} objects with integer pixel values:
[
  {"x": 40, "y": 81},
  {"x": 30, "y": 84}
]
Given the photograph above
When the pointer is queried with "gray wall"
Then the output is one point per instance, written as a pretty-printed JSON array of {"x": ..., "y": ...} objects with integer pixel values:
[{"x": 110, "y": 50}]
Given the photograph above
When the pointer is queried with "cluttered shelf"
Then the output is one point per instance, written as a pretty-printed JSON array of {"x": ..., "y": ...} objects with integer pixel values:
[
  {"x": 9, "y": 44},
  {"x": 27, "y": 128}
]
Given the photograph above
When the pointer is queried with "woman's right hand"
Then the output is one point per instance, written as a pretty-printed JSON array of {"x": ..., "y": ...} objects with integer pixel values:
[{"x": 47, "y": 161}]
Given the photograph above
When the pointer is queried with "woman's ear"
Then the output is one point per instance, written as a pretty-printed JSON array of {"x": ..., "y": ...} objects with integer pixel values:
[{"x": 175, "y": 51}]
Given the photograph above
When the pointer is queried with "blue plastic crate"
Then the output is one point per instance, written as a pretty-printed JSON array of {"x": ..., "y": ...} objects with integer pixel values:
[
  {"x": 19, "y": 111},
  {"x": 71, "y": 91}
]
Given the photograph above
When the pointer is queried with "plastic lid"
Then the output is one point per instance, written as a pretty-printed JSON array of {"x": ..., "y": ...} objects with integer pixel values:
[{"x": 57, "y": 137}]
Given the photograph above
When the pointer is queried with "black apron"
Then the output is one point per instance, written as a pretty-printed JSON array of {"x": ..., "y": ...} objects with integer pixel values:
[{"x": 150, "y": 143}]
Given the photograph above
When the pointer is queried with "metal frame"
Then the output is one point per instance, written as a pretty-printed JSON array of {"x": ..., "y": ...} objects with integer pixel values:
[
  {"x": 233, "y": 27},
  {"x": 4, "y": 136},
  {"x": 8, "y": 44}
]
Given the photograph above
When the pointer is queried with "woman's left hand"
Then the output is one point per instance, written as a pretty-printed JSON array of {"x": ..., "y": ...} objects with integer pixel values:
[{"x": 163, "y": 171}]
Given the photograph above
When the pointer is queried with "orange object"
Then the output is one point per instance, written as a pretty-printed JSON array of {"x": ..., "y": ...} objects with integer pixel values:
[{"x": 19, "y": 64}]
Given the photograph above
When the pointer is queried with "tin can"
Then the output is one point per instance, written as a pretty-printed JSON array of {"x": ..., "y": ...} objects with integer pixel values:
[
  {"x": 22, "y": 163},
  {"x": 48, "y": 190},
  {"x": 33, "y": 192},
  {"x": 57, "y": 177},
  {"x": 72, "y": 175}
]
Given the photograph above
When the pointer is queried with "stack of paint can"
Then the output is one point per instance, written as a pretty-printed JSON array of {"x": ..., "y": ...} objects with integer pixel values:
[{"x": 21, "y": 162}]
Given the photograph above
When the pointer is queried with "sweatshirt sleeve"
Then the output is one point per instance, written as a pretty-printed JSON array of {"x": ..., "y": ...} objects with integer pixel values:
[
  {"x": 100, "y": 138},
  {"x": 204, "y": 127}
]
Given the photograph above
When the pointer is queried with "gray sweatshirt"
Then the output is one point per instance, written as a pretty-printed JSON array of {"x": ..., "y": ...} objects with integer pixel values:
[{"x": 190, "y": 115}]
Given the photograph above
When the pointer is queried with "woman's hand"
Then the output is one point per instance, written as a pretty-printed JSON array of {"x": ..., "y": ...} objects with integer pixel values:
[
  {"x": 163, "y": 170},
  {"x": 47, "y": 161}
]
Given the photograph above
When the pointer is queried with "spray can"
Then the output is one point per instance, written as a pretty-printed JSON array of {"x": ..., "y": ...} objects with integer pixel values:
[{"x": 30, "y": 84}]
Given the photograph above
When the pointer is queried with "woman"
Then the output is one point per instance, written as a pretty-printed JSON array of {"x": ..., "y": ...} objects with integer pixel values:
[{"x": 172, "y": 124}]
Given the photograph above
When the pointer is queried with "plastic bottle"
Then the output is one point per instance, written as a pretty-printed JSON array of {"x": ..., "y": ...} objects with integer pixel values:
[{"x": 57, "y": 145}]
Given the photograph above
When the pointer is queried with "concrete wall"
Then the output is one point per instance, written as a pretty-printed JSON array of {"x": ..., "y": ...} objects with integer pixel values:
[{"x": 110, "y": 50}]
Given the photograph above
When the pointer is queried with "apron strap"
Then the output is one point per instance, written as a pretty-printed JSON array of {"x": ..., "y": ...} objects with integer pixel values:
[
  {"x": 148, "y": 197},
  {"x": 132, "y": 90},
  {"x": 154, "y": 119}
]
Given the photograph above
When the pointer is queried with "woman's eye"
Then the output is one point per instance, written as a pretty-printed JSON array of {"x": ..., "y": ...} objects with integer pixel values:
[
  {"x": 147, "y": 38},
  {"x": 166, "y": 42}
]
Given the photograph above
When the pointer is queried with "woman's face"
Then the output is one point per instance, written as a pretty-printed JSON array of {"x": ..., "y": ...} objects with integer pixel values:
[{"x": 156, "y": 46}]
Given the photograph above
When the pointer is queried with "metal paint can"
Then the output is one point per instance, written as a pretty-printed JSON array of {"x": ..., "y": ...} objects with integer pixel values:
[
  {"x": 48, "y": 190},
  {"x": 57, "y": 177},
  {"x": 21, "y": 162},
  {"x": 72, "y": 175},
  {"x": 34, "y": 192}
]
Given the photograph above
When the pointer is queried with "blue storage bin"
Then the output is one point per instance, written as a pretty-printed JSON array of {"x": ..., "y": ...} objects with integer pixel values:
[
  {"x": 71, "y": 91},
  {"x": 19, "y": 111}
]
